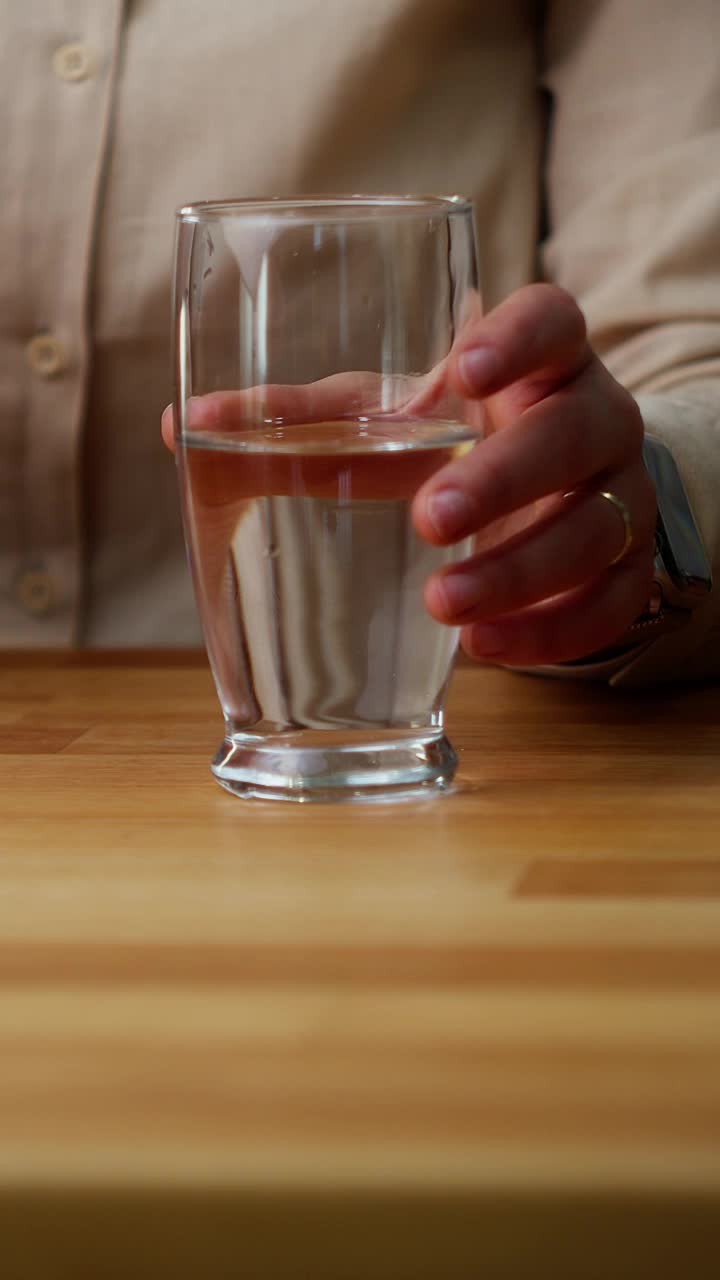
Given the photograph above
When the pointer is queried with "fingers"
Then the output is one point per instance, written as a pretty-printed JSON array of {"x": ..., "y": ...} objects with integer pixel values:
[
  {"x": 573, "y": 545},
  {"x": 569, "y": 626},
  {"x": 579, "y": 432},
  {"x": 167, "y": 427},
  {"x": 537, "y": 335},
  {"x": 342, "y": 395},
  {"x": 557, "y": 421},
  {"x": 533, "y": 341}
]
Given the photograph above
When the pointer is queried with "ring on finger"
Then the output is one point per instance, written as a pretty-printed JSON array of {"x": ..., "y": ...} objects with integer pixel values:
[{"x": 622, "y": 511}]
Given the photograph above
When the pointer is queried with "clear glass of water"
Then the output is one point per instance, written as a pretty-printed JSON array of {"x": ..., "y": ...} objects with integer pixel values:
[{"x": 311, "y": 342}]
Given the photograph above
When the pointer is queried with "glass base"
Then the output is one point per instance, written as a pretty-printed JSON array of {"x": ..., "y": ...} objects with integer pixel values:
[{"x": 374, "y": 768}]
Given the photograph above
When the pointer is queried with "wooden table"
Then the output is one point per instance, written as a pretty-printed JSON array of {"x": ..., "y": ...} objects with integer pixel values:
[{"x": 475, "y": 1036}]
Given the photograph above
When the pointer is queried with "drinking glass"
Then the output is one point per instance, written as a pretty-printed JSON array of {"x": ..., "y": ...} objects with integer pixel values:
[{"x": 311, "y": 343}]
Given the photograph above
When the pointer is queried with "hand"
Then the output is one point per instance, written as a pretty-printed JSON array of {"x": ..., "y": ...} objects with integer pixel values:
[{"x": 541, "y": 586}]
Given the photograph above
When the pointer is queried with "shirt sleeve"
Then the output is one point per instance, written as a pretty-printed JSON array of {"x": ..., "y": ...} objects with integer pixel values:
[{"x": 633, "y": 203}]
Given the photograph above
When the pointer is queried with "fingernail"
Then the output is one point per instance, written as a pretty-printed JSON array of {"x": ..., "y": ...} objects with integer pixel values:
[
  {"x": 460, "y": 592},
  {"x": 478, "y": 367},
  {"x": 486, "y": 640},
  {"x": 449, "y": 512}
]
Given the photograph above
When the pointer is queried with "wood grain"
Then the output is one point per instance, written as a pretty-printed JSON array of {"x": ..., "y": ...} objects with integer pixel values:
[{"x": 475, "y": 1035}]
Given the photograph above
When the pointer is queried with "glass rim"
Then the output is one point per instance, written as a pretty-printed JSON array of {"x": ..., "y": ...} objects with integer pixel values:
[{"x": 339, "y": 208}]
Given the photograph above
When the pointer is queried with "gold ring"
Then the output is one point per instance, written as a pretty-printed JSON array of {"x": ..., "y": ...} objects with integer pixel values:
[{"x": 620, "y": 507}]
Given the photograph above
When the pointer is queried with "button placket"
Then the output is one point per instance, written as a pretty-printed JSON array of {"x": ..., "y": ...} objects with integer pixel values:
[{"x": 64, "y": 89}]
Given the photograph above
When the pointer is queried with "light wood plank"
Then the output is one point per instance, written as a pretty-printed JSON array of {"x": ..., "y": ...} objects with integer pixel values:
[{"x": 477, "y": 1027}]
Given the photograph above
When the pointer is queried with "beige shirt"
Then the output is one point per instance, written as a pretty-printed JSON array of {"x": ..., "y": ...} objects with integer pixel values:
[{"x": 115, "y": 112}]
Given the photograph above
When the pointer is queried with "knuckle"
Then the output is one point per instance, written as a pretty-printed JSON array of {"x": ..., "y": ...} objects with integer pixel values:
[
  {"x": 588, "y": 549},
  {"x": 567, "y": 310},
  {"x": 634, "y": 427},
  {"x": 439, "y": 600},
  {"x": 635, "y": 576},
  {"x": 642, "y": 561},
  {"x": 514, "y": 583},
  {"x": 588, "y": 446},
  {"x": 568, "y": 421},
  {"x": 494, "y": 489}
]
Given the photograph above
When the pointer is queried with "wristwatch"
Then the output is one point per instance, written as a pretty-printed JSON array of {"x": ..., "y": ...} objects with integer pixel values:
[{"x": 683, "y": 577}]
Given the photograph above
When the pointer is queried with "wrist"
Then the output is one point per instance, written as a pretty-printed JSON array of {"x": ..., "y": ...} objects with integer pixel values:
[{"x": 682, "y": 579}]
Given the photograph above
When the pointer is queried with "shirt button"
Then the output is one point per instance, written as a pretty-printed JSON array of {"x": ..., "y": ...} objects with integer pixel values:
[
  {"x": 73, "y": 62},
  {"x": 35, "y": 591},
  {"x": 45, "y": 355}
]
